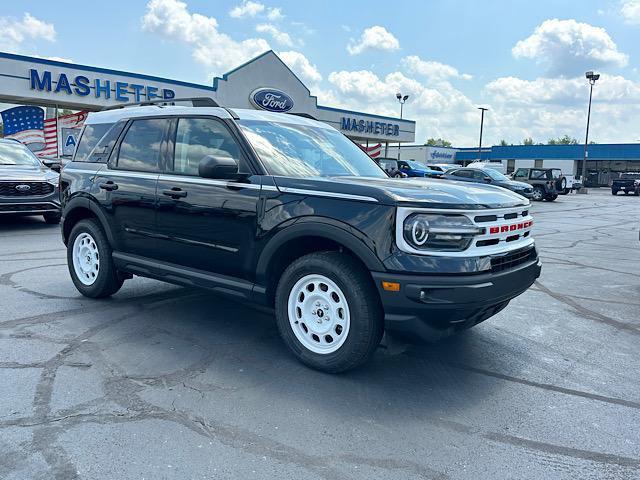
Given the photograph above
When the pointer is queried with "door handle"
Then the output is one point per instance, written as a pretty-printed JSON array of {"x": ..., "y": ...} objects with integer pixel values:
[
  {"x": 175, "y": 192},
  {"x": 108, "y": 186}
]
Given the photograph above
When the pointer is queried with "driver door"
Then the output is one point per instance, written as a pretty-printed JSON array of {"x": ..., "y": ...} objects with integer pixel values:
[{"x": 204, "y": 223}]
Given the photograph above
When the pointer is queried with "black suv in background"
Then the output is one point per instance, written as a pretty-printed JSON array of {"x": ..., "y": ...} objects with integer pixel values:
[
  {"x": 286, "y": 211},
  {"x": 27, "y": 185}
]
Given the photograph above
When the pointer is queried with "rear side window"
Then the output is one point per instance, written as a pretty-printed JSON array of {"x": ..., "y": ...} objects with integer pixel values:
[
  {"x": 462, "y": 173},
  {"x": 91, "y": 134},
  {"x": 140, "y": 147}
]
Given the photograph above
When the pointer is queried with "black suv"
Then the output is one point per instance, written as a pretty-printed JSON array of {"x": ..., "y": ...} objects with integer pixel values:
[{"x": 286, "y": 211}]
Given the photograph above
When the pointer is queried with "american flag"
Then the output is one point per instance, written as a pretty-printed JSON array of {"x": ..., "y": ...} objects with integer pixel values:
[
  {"x": 25, "y": 124},
  {"x": 373, "y": 151},
  {"x": 28, "y": 125}
]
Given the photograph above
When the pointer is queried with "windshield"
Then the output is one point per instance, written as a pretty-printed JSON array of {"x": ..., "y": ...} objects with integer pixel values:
[
  {"x": 495, "y": 175},
  {"x": 294, "y": 150},
  {"x": 415, "y": 165},
  {"x": 17, "y": 154}
]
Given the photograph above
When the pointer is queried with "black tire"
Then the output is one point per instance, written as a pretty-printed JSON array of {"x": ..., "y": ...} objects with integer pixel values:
[
  {"x": 552, "y": 197},
  {"x": 538, "y": 194},
  {"x": 614, "y": 192},
  {"x": 366, "y": 314},
  {"x": 52, "y": 218},
  {"x": 107, "y": 281},
  {"x": 637, "y": 192},
  {"x": 397, "y": 175}
]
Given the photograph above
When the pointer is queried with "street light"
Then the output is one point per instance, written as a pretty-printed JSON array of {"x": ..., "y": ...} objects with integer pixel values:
[
  {"x": 591, "y": 78},
  {"x": 402, "y": 99},
  {"x": 482, "y": 109}
]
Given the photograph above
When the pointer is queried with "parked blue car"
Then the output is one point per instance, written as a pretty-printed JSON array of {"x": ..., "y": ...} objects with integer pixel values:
[{"x": 415, "y": 169}]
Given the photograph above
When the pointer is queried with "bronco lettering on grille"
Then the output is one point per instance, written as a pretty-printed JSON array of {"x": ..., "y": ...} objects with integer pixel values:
[{"x": 511, "y": 228}]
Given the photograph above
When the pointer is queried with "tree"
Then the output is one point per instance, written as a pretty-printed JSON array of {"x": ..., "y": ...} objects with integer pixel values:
[
  {"x": 438, "y": 142},
  {"x": 503, "y": 143},
  {"x": 527, "y": 141},
  {"x": 566, "y": 140}
]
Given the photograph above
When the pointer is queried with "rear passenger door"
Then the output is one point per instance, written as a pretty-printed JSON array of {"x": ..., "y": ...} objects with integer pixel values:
[
  {"x": 204, "y": 223},
  {"x": 128, "y": 185}
]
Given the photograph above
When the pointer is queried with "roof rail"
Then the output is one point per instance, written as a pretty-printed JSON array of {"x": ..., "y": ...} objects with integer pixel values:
[{"x": 195, "y": 101}]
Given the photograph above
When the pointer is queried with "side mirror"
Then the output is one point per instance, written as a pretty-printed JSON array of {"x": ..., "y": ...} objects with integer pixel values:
[
  {"x": 487, "y": 179},
  {"x": 54, "y": 165},
  {"x": 218, "y": 167}
]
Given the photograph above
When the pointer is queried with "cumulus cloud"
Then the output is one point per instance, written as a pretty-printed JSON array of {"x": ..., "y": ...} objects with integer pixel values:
[
  {"x": 374, "y": 38},
  {"x": 548, "y": 107},
  {"x": 567, "y": 47},
  {"x": 247, "y": 8},
  {"x": 301, "y": 66},
  {"x": 283, "y": 38},
  {"x": 630, "y": 10},
  {"x": 432, "y": 70},
  {"x": 211, "y": 48},
  {"x": 275, "y": 14},
  {"x": 14, "y": 32}
]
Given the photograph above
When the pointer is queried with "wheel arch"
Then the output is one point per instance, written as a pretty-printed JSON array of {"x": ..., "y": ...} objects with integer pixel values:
[
  {"x": 308, "y": 237},
  {"x": 78, "y": 209}
]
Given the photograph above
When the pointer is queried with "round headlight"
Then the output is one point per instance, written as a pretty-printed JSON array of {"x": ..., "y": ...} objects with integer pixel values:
[{"x": 419, "y": 231}]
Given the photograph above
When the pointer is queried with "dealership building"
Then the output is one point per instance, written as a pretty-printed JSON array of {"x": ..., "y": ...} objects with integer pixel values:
[{"x": 264, "y": 82}]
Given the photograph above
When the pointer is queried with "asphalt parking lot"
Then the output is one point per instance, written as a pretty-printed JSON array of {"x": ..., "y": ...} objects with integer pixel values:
[{"x": 164, "y": 382}]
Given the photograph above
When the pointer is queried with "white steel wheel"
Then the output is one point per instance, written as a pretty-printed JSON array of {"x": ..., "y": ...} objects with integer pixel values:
[
  {"x": 86, "y": 258},
  {"x": 319, "y": 314}
]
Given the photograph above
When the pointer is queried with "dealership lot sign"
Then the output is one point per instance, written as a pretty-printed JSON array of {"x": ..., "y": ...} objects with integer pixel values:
[{"x": 82, "y": 86}]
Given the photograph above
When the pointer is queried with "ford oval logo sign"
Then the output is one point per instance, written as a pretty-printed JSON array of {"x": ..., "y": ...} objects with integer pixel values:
[
  {"x": 271, "y": 99},
  {"x": 23, "y": 188}
]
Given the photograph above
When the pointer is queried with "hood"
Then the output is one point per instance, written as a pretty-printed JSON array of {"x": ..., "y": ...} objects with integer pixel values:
[
  {"x": 26, "y": 173},
  {"x": 515, "y": 184},
  {"x": 417, "y": 191}
]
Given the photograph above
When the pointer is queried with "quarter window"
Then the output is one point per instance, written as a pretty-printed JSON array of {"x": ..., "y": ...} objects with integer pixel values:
[
  {"x": 140, "y": 148},
  {"x": 91, "y": 134},
  {"x": 198, "y": 137}
]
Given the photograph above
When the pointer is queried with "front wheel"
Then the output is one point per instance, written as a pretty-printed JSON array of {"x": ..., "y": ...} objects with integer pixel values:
[
  {"x": 328, "y": 311},
  {"x": 614, "y": 192},
  {"x": 89, "y": 261},
  {"x": 552, "y": 197}
]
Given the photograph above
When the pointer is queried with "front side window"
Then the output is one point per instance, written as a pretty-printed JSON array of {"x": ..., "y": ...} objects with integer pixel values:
[
  {"x": 198, "y": 137},
  {"x": 521, "y": 173},
  {"x": 140, "y": 148},
  {"x": 295, "y": 150},
  {"x": 462, "y": 173}
]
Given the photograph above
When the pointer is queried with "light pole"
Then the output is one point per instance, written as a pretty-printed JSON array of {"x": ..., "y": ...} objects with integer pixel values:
[
  {"x": 402, "y": 99},
  {"x": 482, "y": 109},
  {"x": 591, "y": 77}
]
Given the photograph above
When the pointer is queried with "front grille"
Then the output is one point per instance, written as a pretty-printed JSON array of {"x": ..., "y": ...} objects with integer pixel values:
[
  {"x": 513, "y": 259},
  {"x": 8, "y": 189},
  {"x": 29, "y": 207}
]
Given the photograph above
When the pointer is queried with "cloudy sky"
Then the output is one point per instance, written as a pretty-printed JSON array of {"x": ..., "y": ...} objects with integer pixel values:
[{"x": 524, "y": 60}]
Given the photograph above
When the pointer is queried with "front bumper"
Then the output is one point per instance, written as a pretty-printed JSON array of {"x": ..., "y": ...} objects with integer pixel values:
[
  {"x": 428, "y": 303},
  {"x": 36, "y": 205}
]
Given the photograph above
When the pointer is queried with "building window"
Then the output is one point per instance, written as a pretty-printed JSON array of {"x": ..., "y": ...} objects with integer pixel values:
[
  {"x": 511, "y": 165},
  {"x": 537, "y": 163}
]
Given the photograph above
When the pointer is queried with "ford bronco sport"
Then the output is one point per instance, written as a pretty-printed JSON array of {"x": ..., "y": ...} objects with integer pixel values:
[{"x": 286, "y": 211}]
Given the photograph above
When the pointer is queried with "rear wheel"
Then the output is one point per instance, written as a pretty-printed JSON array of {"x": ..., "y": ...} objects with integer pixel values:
[
  {"x": 552, "y": 197},
  {"x": 538, "y": 194},
  {"x": 328, "y": 311},
  {"x": 89, "y": 261}
]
